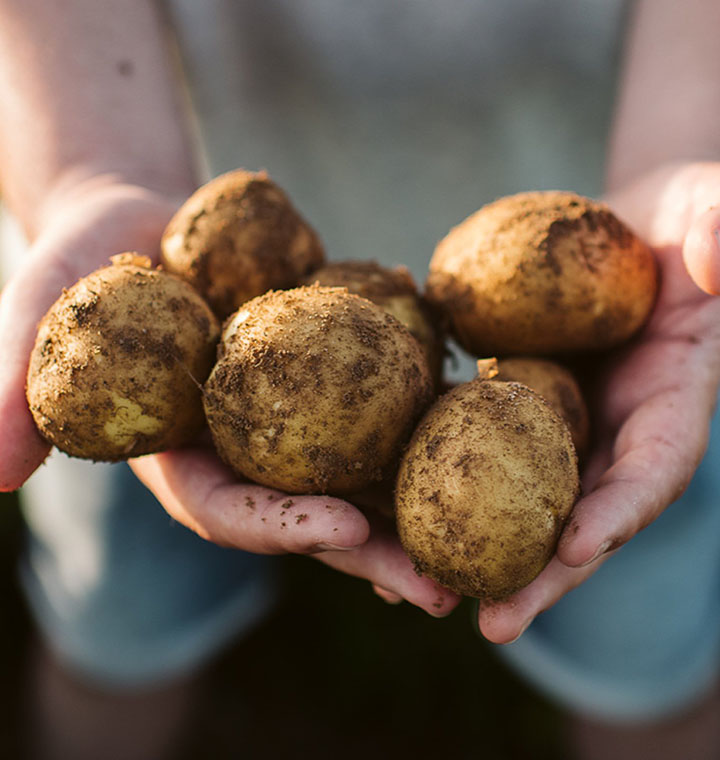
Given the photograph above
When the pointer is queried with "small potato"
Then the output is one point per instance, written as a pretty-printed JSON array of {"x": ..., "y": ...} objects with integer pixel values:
[
  {"x": 118, "y": 361},
  {"x": 316, "y": 391},
  {"x": 542, "y": 273},
  {"x": 485, "y": 487},
  {"x": 394, "y": 289},
  {"x": 237, "y": 237},
  {"x": 557, "y": 386}
]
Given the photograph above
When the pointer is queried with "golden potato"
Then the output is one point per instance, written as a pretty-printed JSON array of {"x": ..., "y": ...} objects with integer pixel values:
[
  {"x": 394, "y": 289},
  {"x": 316, "y": 390},
  {"x": 118, "y": 360},
  {"x": 237, "y": 237},
  {"x": 542, "y": 273},
  {"x": 485, "y": 487},
  {"x": 557, "y": 386}
]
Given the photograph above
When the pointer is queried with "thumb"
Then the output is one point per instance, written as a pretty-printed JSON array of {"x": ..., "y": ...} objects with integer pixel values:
[
  {"x": 82, "y": 234},
  {"x": 701, "y": 251},
  {"x": 22, "y": 304}
]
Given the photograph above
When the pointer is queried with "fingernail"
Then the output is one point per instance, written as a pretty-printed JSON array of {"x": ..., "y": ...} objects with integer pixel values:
[
  {"x": 524, "y": 628},
  {"x": 604, "y": 546},
  {"x": 326, "y": 546}
]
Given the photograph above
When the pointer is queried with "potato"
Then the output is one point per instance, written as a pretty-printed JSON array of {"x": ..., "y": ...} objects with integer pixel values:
[
  {"x": 237, "y": 237},
  {"x": 118, "y": 360},
  {"x": 542, "y": 273},
  {"x": 395, "y": 290},
  {"x": 557, "y": 386},
  {"x": 316, "y": 391},
  {"x": 485, "y": 487}
]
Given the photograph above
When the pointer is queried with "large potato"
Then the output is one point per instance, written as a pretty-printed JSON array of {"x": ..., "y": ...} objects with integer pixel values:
[
  {"x": 485, "y": 487},
  {"x": 542, "y": 273},
  {"x": 394, "y": 289},
  {"x": 237, "y": 237},
  {"x": 316, "y": 390},
  {"x": 118, "y": 360}
]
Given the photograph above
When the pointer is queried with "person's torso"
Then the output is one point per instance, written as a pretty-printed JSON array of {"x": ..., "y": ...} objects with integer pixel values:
[{"x": 388, "y": 121}]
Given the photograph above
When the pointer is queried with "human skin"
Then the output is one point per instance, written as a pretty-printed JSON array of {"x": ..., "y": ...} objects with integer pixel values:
[
  {"x": 83, "y": 191},
  {"x": 651, "y": 427},
  {"x": 94, "y": 159}
]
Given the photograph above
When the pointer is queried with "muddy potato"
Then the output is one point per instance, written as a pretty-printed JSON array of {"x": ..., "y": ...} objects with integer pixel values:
[
  {"x": 542, "y": 273},
  {"x": 557, "y": 386},
  {"x": 237, "y": 237},
  {"x": 316, "y": 390},
  {"x": 394, "y": 289},
  {"x": 117, "y": 363},
  {"x": 485, "y": 487}
]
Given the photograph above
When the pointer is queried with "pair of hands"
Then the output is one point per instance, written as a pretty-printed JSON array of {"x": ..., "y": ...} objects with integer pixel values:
[{"x": 652, "y": 410}]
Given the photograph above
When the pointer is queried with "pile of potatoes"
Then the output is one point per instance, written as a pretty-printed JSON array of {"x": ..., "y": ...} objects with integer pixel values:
[
  {"x": 317, "y": 377},
  {"x": 310, "y": 386}
]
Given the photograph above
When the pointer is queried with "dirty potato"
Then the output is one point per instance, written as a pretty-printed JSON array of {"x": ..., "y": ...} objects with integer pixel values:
[
  {"x": 316, "y": 390},
  {"x": 485, "y": 487},
  {"x": 542, "y": 273},
  {"x": 237, "y": 237},
  {"x": 118, "y": 362},
  {"x": 557, "y": 386},
  {"x": 394, "y": 289}
]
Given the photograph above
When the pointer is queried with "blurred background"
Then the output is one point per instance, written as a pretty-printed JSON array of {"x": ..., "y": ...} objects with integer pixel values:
[
  {"x": 333, "y": 672},
  {"x": 385, "y": 129}
]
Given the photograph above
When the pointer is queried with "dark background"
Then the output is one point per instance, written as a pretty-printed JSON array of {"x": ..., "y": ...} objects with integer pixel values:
[{"x": 334, "y": 672}]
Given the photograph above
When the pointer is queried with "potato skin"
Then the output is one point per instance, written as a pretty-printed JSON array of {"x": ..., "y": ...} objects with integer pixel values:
[
  {"x": 237, "y": 237},
  {"x": 117, "y": 361},
  {"x": 542, "y": 273},
  {"x": 485, "y": 487},
  {"x": 316, "y": 391},
  {"x": 557, "y": 386},
  {"x": 394, "y": 289}
]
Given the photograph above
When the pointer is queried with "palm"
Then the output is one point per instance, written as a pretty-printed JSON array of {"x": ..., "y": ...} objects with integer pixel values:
[
  {"x": 192, "y": 484},
  {"x": 71, "y": 246},
  {"x": 652, "y": 407}
]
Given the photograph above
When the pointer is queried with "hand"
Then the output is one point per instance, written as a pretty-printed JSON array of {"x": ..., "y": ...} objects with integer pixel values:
[
  {"x": 98, "y": 221},
  {"x": 656, "y": 398}
]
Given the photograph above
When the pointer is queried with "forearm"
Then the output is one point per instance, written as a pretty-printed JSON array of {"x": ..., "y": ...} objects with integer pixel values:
[
  {"x": 669, "y": 101},
  {"x": 86, "y": 90}
]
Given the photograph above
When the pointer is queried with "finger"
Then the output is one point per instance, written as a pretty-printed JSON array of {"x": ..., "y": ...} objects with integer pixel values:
[
  {"x": 662, "y": 205},
  {"x": 597, "y": 464},
  {"x": 701, "y": 251},
  {"x": 384, "y": 563},
  {"x": 389, "y": 596},
  {"x": 23, "y": 303},
  {"x": 656, "y": 454},
  {"x": 504, "y": 622},
  {"x": 79, "y": 239},
  {"x": 201, "y": 493}
]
